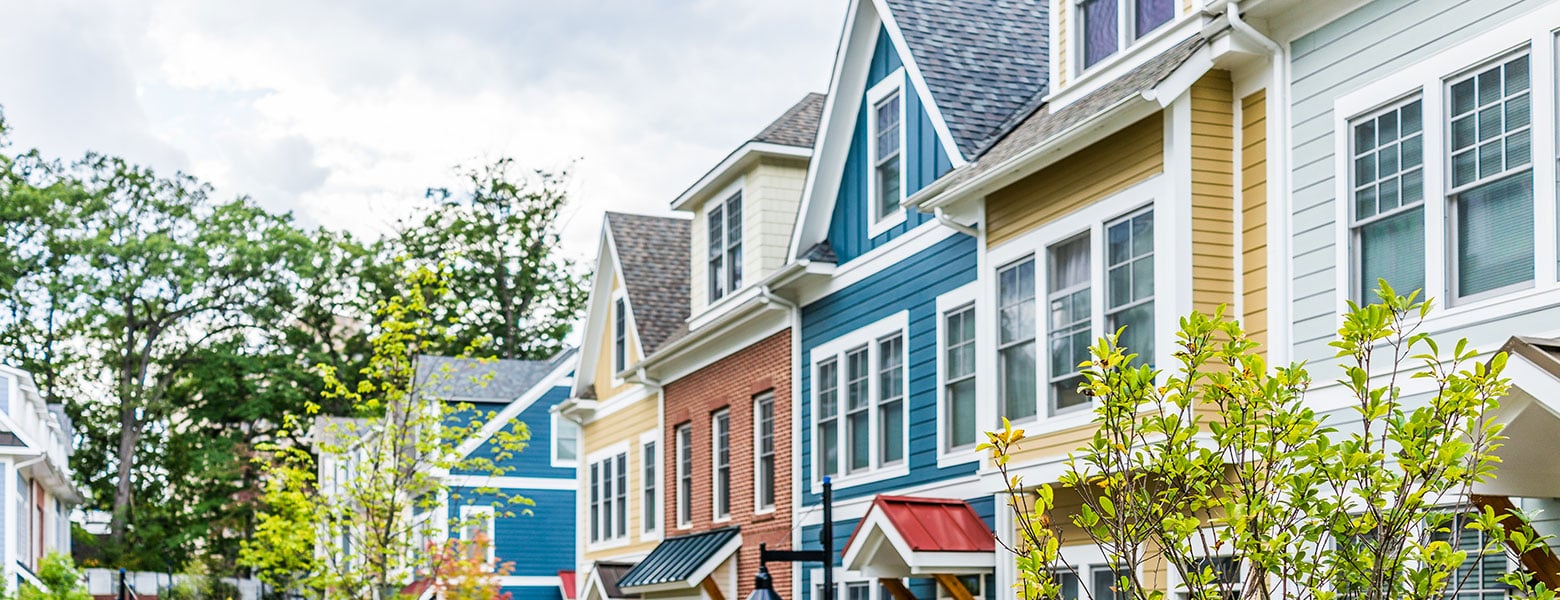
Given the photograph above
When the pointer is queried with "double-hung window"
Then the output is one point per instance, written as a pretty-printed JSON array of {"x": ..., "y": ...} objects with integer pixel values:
[
  {"x": 1490, "y": 187},
  {"x": 858, "y": 411},
  {"x": 1389, "y": 196},
  {"x": 566, "y": 440},
  {"x": 609, "y": 498},
  {"x": 619, "y": 335},
  {"x": 1070, "y": 328},
  {"x": 476, "y": 530},
  {"x": 828, "y": 384},
  {"x": 764, "y": 451},
  {"x": 651, "y": 475},
  {"x": 891, "y": 399},
  {"x": 886, "y": 115},
  {"x": 860, "y": 398},
  {"x": 1129, "y": 282},
  {"x": 1016, "y": 339},
  {"x": 959, "y": 377},
  {"x": 1106, "y": 26},
  {"x": 720, "y": 442},
  {"x": 725, "y": 247},
  {"x": 684, "y": 437}
]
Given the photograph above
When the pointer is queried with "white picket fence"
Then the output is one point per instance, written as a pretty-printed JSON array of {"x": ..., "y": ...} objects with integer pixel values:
[{"x": 105, "y": 582}]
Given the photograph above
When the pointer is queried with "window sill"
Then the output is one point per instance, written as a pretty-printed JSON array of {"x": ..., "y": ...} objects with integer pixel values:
[
  {"x": 962, "y": 455},
  {"x": 764, "y": 516},
  {"x": 881, "y": 226},
  {"x": 864, "y": 477}
]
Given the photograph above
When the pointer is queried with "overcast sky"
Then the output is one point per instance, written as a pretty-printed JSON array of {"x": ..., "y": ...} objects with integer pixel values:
[{"x": 343, "y": 112}]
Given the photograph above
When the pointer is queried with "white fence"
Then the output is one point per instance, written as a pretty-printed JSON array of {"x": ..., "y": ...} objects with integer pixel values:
[{"x": 105, "y": 582}]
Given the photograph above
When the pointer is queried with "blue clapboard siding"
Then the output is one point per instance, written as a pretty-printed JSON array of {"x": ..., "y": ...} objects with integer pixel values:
[
  {"x": 922, "y": 588},
  {"x": 912, "y": 284},
  {"x": 924, "y": 160},
  {"x": 536, "y": 459},
  {"x": 540, "y": 543},
  {"x": 1376, "y": 40},
  {"x": 533, "y": 593}
]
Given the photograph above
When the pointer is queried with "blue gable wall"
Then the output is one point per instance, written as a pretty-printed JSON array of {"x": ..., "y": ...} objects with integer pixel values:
[
  {"x": 539, "y": 544},
  {"x": 914, "y": 285},
  {"x": 536, "y": 459},
  {"x": 924, "y": 161}
]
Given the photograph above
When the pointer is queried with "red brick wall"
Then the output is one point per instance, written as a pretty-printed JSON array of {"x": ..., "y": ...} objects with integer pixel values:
[{"x": 733, "y": 382}]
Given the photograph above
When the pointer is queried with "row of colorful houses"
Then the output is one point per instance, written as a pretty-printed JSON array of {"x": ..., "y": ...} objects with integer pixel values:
[{"x": 892, "y": 267}]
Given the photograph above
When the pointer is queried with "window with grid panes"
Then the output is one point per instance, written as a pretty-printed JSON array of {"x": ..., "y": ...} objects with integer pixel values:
[
  {"x": 1389, "y": 192},
  {"x": 647, "y": 503},
  {"x": 828, "y": 384},
  {"x": 1016, "y": 339},
  {"x": 1490, "y": 192},
  {"x": 858, "y": 411},
  {"x": 685, "y": 474},
  {"x": 725, "y": 247},
  {"x": 1478, "y": 577},
  {"x": 886, "y": 165},
  {"x": 1067, "y": 295},
  {"x": 720, "y": 432},
  {"x": 764, "y": 452},
  {"x": 1129, "y": 283},
  {"x": 891, "y": 399},
  {"x": 959, "y": 376},
  {"x": 1106, "y": 26}
]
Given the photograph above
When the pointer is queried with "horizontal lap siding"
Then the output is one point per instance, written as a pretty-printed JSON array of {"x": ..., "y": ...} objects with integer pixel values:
[
  {"x": 535, "y": 459},
  {"x": 1374, "y": 41},
  {"x": 540, "y": 543},
  {"x": 627, "y": 424},
  {"x": 1254, "y": 230},
  {"x": 913, "y": 285},
  {"x": 604, "y": 366},
  {"x": 1213, "y": 199},
  {"x": 1109, "y": 166}
]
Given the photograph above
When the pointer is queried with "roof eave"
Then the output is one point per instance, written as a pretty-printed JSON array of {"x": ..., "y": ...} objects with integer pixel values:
[{"x": 740, "y": 158}]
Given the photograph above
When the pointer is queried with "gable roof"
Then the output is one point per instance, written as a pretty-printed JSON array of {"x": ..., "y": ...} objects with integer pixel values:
[
  {"x": 652, "y": 254},
  {"x": 797, "y": 126},
  {"x": 982, "y": 61},
  {"x": 499, "y": 380}
]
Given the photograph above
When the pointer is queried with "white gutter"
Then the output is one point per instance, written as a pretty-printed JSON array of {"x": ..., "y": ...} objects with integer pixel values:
[
  {"x": 735, "y": 314},
  {"x": 943, "y": 218},
  {"x": 1278, "y": 205}
]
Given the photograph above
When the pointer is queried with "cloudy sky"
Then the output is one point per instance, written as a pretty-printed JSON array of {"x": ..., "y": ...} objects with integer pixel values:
[{"x": 343, "y": 112}]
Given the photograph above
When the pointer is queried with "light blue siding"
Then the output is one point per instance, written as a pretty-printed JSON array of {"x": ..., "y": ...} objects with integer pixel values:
[
  {"x": 540, "y": 543},
  {"x": 913, "y": 285},
  {"x": 924, "y": 160},
  {"x": 536, "y": 459},
  {"x": 1376, "y": 40}
]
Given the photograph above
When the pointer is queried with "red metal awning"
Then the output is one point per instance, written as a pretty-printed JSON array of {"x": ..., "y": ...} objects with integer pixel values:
[
  {"x": 566, "y": 584},
  {"x": 902, "y": 536}
]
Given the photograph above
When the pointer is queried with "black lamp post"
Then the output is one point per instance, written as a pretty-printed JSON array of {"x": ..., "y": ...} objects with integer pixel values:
[{"x": 763, "y": 585}]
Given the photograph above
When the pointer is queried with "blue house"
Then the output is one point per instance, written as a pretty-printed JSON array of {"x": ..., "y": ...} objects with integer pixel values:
[
  {"x": 888, "y": 375},
  {"x": 538, "y": 539}
]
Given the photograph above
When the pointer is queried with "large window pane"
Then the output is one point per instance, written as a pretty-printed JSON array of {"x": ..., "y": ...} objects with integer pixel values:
[
  {"x": 1016, "y": 339},
  {"x": 1491, "y": 200},
  {"x": 858, "y": 434},
  {"x": 891, "y": 400},
  {"x": 1150, "y": 14},
  {"x": 764, "y": 423},
  {"x": 1393, "y": 249},
  {"x": 1069, "y": 321},
  {"x": 959, "y": 375},
  {"x": 1495, "y": 235},
  {"x": 1388, "y": 201},
  {"x": 1130, "y": 282},
  {"x": 1100, "y": 28}
]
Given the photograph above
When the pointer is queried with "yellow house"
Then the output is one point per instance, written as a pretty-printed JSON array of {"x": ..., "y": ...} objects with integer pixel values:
[{"x": 638, "y": 301}]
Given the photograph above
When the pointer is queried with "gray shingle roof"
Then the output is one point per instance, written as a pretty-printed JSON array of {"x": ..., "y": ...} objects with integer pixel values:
[
  {"x": 654, "y": 255},
  {"x": 798, "y": 126},
  {"x": 984, "y": 61},
  {"x": 678, "y": 558},
  {"x": 1043, "y": 124},
  {"x": 496, "y": 380}
]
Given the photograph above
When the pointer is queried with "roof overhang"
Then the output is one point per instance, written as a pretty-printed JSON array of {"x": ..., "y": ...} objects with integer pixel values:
[
  {"x": 578, "y": 410},
  {"x": 739, "y": 159},
  {"x": 879, "y": 549},
  {"x": 699, "y": 573},
  {"x": 596, "y": 589},
  {"x": 1530, "y": 415}
]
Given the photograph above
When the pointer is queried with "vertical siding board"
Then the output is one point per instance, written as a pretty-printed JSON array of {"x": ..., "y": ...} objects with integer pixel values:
[{"x": 1392, "y": 34}]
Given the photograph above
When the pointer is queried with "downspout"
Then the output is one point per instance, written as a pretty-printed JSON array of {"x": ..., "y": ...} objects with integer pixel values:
[
  {"x": 769, "y": 297},
  {"x": 954, "y": 225},
  {"x": 1278, "y": 312}
]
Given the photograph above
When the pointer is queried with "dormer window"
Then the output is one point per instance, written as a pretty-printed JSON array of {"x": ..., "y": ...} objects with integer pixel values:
[
  {"x": 1105, "y": 26},
  {"x": 885, "y": 142},
  {"x": 725, "y": 246},
  {"x": 619, "y": 336}
]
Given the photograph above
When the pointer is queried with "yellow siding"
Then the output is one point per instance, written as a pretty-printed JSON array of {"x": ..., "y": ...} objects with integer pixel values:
[
  {"x": 1109, "y": 166},
  {"x": 1213, "y": 202},
  {"x": 626, "y": 424},
  {"x": 604, "y": 367},
  {"x": 1253, "y": 178},
  {"x": 1059, "y": 49},
  {"x": 776, "y": 187}
]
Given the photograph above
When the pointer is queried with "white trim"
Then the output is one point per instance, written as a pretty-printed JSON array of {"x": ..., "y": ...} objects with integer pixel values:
[
  {"x": 557, "y": 422},
  {"x": 868, "y": 337},
  {"x": 876, "y": 530},
  {"x": 627, "y": 322},
  {"x": 905, "y": 246},
  {"x": 645, "y": 439},
  {"x": 532, "y": 581},
  {"x": 742, "y": 154},
  {"x": 467, "y": 513},
  {"x": 511, "y": 483},
  {"x": 966, "y": 296},
  {"x": 891, "y": 85},
  {"x": 679, "y": 453},
  {"x": 735, "y": 191},
  {"x": 1428, "y": 79},
  {"x": 705, "y": 570},
  {"x": 758, "y": 507},
  {"x": 907, "y": 58},
  {"x": 715, "y": 515},
  {"x": 954, "y": 488},
  {"x": 517, "y": 406}
]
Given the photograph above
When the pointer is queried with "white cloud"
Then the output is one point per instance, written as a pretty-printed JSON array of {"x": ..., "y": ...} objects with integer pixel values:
[{"x": 344, "y": 112}]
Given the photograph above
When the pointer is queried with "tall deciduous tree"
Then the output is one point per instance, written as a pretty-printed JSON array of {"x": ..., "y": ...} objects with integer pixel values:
[
  {"x": 1225, "y": 457},
  {"x": 499, "y": 235}
]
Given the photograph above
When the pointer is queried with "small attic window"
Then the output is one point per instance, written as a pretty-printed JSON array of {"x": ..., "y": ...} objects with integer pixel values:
[
  {"x": 725, "y": 247},
  {"x": 619, "y": 336},
  {"x": 885, "y": 153}
]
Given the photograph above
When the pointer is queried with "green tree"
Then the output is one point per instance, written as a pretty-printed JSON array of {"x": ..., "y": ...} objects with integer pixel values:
[
  {"x": 366, "y": 504},
  {"x": 1367, "y": 511},
  {"x": 60, "y": 575},
  {"x": 499, "y": 236}
]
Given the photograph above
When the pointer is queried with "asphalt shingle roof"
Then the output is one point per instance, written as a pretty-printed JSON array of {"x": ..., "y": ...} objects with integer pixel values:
[
  {"x": 983, "y": 61},
  {"x": 677, "y": 559},
  {"x": 1043, "y": 123},
  {"x": 496, "y": 380},
  {"x": 654, "y": 256},
  {"x": 798, "y": 126}
]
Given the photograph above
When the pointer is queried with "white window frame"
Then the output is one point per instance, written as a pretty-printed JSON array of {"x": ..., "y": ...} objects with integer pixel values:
[
  {"x": 965, "y": 297},
  {"x": 1126, "y": 32},
  {"x": 1092, "y": 284},
  {"x": 1430, "y": 78},
  {"x": 1359, "y": 290},
  {"x": 628, "y": 328},
  {"x": 604, "y": 455},
  {"x": 727, "y": 286},
  {"x": 715, "y": 486},
  {"x": 1000, "y": 379},
  {"x": 467, "y": 513},
  {"x": 557, "y": 425},
  {"x": 684, "y": 489},
  {"x": 774, "y": 455},
  {"x": 657, "y": 493},
  {"x": 1152, "y": 193},
  {"x": 837, "y": 348},
  {"x": 893, "y": 83}
]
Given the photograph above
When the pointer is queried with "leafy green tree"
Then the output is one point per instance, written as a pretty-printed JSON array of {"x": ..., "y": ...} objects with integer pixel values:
[
  {"x": 64, "y": 581},
  {"x": 499, "y": 236},
  {"x": 366, "y": 506},
  {"x": 1224, "y": 457}
]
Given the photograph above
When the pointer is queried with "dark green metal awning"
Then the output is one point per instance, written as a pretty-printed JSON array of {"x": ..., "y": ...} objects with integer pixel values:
[{"x": 682, "y": 560}]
